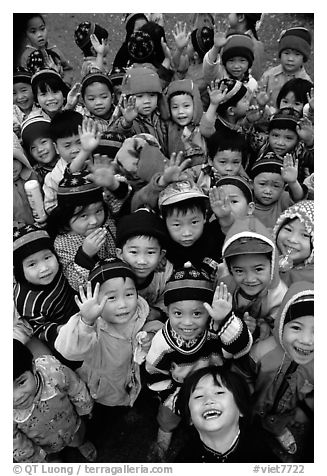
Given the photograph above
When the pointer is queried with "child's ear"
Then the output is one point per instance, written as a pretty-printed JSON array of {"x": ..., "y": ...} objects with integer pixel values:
[{"x": 251, "y": 208}]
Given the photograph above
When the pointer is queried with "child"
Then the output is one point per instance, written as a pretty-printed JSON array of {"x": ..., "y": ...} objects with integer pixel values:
[
  {"x": 294, "y": 238},
  {"x": 97, "y": 95},
  {"x": 49, "y": 400},
  {"x": 103, "y": 333},
  {"x": 50, "y": 92},
  {"x": 142, "y": 89},
  {"x": 23, "y": 98},
  {"x": 83, "y": 227},
  {"x": 141, "y": 242},
  {"x": 294, "y": 93},
  {"x": 293, "y": 50},
  {"x": 37, "y": 141},
  {"x": 37, "y": 36},
  {"x": 185, "y": 112},
  {"x": 42, "y": 294},
  {"x": 92, "y": 39},
  {"x": 283, "y": 368},
  {"x": 270, "y": 174},
  {"x": 187, "y": 342},
  {"x": 249, "y": 23},
  {"x": 22, "y": 172},
  {"x": 133, "y": 22},
  {"x": 216, "y": 402},
  {"x": 230, "y": 57},
  {"x": 226, "y": 154},
  {"x": 252, "y": 260}
]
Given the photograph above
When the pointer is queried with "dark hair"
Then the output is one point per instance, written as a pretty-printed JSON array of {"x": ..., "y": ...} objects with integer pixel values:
[
  {"x": 65, "y": 124},
  {"x": 228, "y": 141},
  {"x": 230, "y": 379},
  {"x": 184, "y": 206},
  {"x": 101, "y": 34},
  {"x": 55, "y": 84},
  {"x": 300, "y": 87}
]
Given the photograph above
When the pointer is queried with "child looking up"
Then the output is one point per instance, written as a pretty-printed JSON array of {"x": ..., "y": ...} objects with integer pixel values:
[
  {"x": 294, "y": 238},
  {"x": 252, "y": 261},
  {"x": 92, "y": 39},
  {"x": 103, "y": 334},
  {"x": 49, "y": 400},
  {"x": 190, "y": 340},
  {"x": 140, "y": 114},
  {"x": 37, "y": 39},
  {"x": 293, "y": 50},
  {"x": 22, "y": 97},
  {"x": 283, "y": 370}
]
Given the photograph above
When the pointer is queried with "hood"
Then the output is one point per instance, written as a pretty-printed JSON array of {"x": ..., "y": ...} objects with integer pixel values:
[
  {"x": 189, "y": 87},
  {"x": 251, "y": 227},
  {"x": 304, "y": 211},
  {"x": 297, "y": 290}
]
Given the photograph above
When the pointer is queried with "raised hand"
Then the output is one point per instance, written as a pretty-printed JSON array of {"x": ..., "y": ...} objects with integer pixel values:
[
  {"x": 88, "y": 304},
  {"x": 93, "y": 242},
  {"x": 180, "y": 35},
  {"x": 304, "y": 130},
  {"x": 219, "y": 202},
  {"x": 129, "y": 109},
  {"x": 89, "y": 135},
  {"x": 216, "y": 93},
  {"x": 174, "y": 169},
  {"x": 73, "y": 96},
  {"x": 289, "y": 171},
  {"x": 221, "y": 303}
]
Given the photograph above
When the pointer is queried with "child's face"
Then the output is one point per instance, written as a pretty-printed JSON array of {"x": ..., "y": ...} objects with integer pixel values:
[
  {"x": 242, "y": 106},
  {"x": 293, "y": 238},
  {"x": 290, "y": 101},
  {"x": 185, "y": 229},
  {"x": 143, "y": 254},
  {"x": 251, "y": 272},
  {"x": 268, "y": 187},
  {"x": 43, "y": 150},
  {"x": 181, "y": 108},
  {"x": 121, "y": 301},
  {"x": 282, "y": 140},
  {"x": 50, "y": 101},
  {"x": 213, "y": 408},
  {"x": 24, "y": 390},
  {"x": 240, "y": 208},
  {"x": 146, "y": 103},
  {"x": 17, "y": 168},
  {"x": 291, "y": 60},
  {"x": 41, "y": 267},
  {"x": 68, "y": 147},
  {"x": 36, "y": 32},
  {"x": 88, "y": 220},
  {"x": 98, "y": 99},
  {"x": 23, "y": 96},
  {"x": 237, "y": 66},
  {"x": 298, "y": 339},
  {"x": 227, "y": 162},
  {"x": 188, "y": 318}
]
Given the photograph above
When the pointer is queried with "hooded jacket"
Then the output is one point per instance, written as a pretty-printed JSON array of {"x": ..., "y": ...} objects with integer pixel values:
[
  {"x": 266, "y": 304},
  {"x": 271, "y": 362}
]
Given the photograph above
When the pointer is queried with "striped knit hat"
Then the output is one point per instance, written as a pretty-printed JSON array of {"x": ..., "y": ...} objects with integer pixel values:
[
  {"x": 109, "y": 268},
  {"x": 188, "y": 284},
  {"x": 75, "y": 190}
]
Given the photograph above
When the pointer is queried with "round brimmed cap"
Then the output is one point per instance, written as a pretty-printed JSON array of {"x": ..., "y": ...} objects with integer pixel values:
[
  {"x": 247, "y": 245},
  {"x": 109, "y": 268},
  {"x": 76, "y": 190},
  {"x": 94, "y": 77},
  {"x": 28, "y": 240},
  {"x": 178, "y": 192},
  {"x": 34, "y": 127},
  {"x": 238, "y": 182}
]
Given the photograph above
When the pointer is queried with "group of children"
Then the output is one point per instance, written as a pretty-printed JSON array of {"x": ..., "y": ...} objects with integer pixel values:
[{"x": 174, "y": 249}]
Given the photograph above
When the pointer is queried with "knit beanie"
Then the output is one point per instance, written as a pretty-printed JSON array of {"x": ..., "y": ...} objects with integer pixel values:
[
  {"x": 95, "y": 77},
  {"x": 110, "y": 143},
  {"x": 141, "y": 222},
  {"x": 304, "y": 211},
  {"x": 35, "y": 127},
  {"x": 179, "y": 191},
  {"x": 141, "y": 80},
  {"x": 238, "y": 182},
  {"x": 202, "y": 40},
  {"x": 109, "y": 268},
  {"x": 285, "y": 118},
  {"x": 76, "y": 190},
  {"x": 28, "y": 240},
  {"x": 22, "y": 76},
  {"x": 140, "y": 46},
  {"x": 84, "y": 30},
  {"x": 238, "y": 45},
  {"x": 270, "y": 162},
  {"x": 23, "y": 359},
  {"x": 188, "y": 284},
  {"x": 297, "y": 38}
]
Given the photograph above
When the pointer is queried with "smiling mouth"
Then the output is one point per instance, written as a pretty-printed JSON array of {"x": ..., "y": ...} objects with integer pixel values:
[{"x": 211, "y": 414}]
